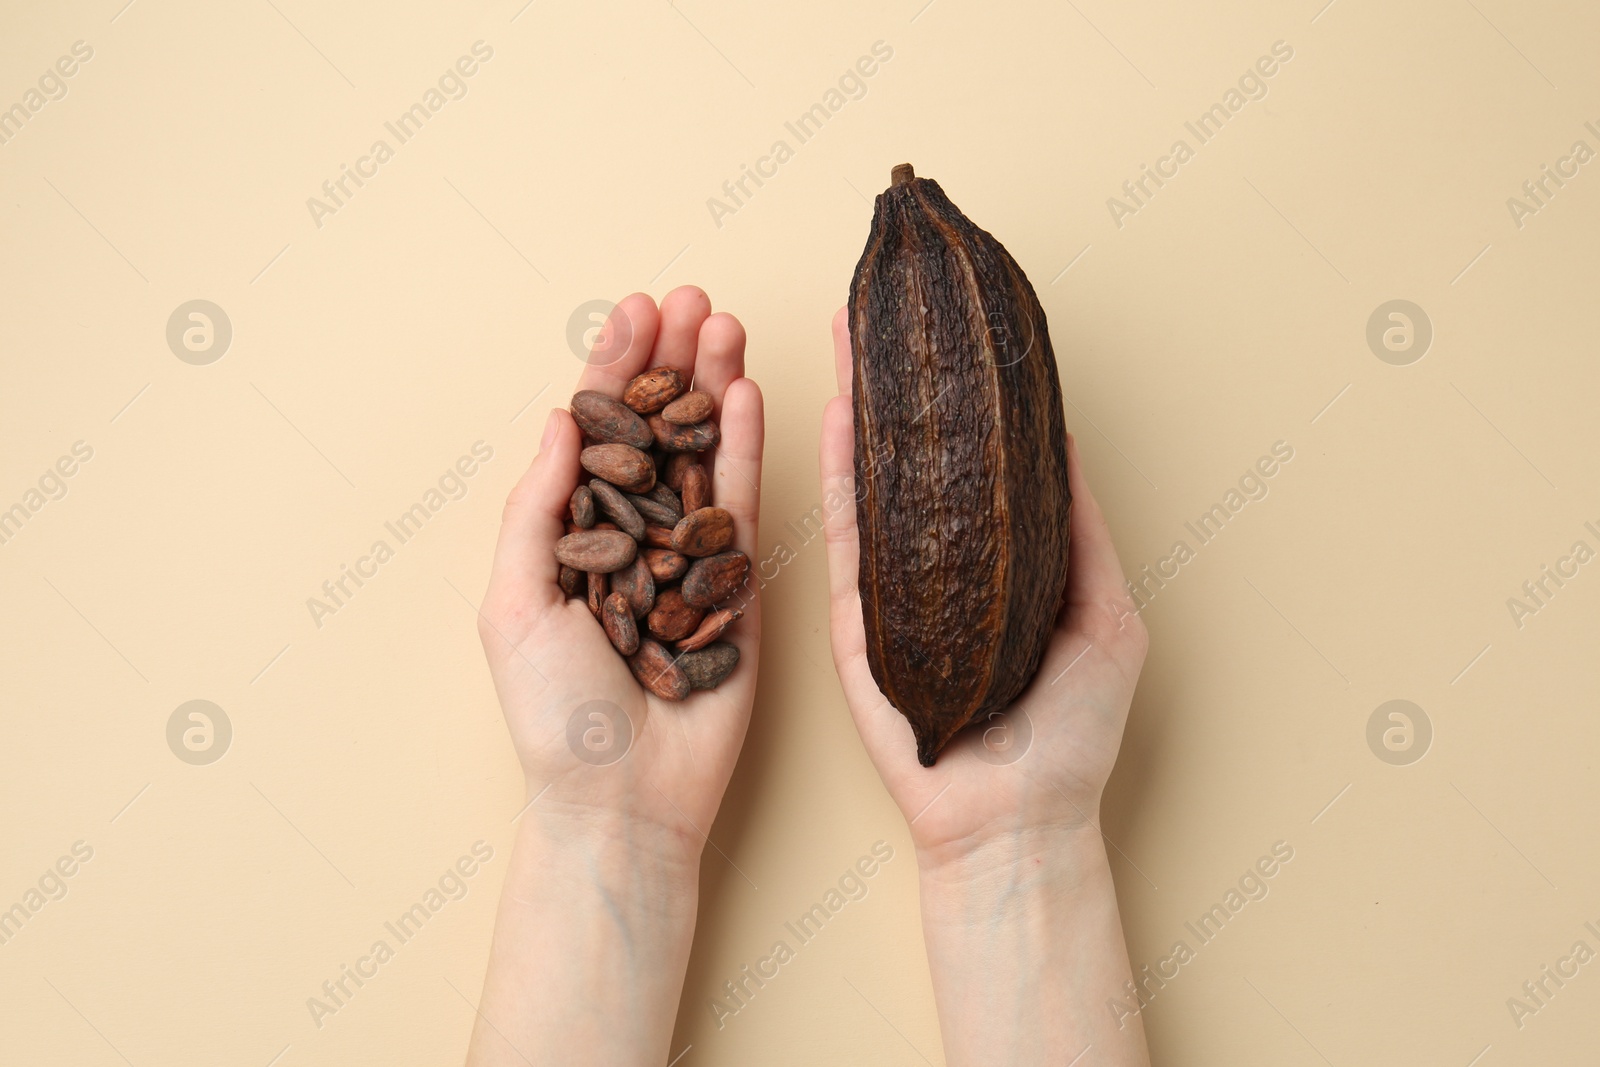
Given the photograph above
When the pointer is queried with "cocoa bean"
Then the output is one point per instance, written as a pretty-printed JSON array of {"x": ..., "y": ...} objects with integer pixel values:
[
  {"x": 671, "y": 437},
  {"x": 605, "y": 419},
  {"x": 655, "y": 511},
  {"x": 707, "y": 668},
  {"x": 688, "y": 409},
  {"x": 714, "y": 578},
  {"x": 696, "y": 489},
  {"x": 658, "y": 536},
  {"x": 597, "y": 592},
  {"x": 608, "y": 499},
  {"x": 617, "y": 618},
  {"x": 653, "y": 390},
  {"x": 623, "y": 466},
  {"x": 672, "y": 619},
  {"x": 654, "y": 668},
  {"x": 596, "y": 551},
  {"x": 665, "y": 565},
  {"x": 703, "y": 532},
  {"x": 677, "y": 464},
  {"x": 637, "y": 584},
  {"x": 571, "y": 580},
  {"x": 582, "y": 507},
  {"x": 710, "y": 629}
]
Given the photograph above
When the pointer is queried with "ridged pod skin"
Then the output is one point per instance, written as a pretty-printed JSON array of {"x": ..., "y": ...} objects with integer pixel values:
[{"x": 960, "y": 463}]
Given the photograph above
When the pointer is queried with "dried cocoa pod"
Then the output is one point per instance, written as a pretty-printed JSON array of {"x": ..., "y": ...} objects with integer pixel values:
[
  {"x": 608, "y": 499},
  {"x": 703, "y": 532},
  {"x": 696, "y": 488},
  {"x": 597, "y": 592},
  {"x": 653, "y": 390},
  {"x": 582, "y": 507},
  {"x": 710, "y": 629},
  {"x": 617, "y": 619},
  {"x": 961, "y": 464},
  {"x": 688, "y": 409},
  {"x": 665, "y": 565},
  {"x": 677, "y": 464},
  {"x": 657, "y": 671},
  {"x": 658, "y": 536},
  {"x": 596, "y": 551},
  {"x": 707, "y": 668},
  {"x": 638, "y": 585},
  {"x": 655, "y": 510},
  {"x": 604, "y": 419},
  {"x": 714, "y": 578},
  {"x": 623, "y": 466},
  {"x": 672, "y": 619},
  {"x": 671, "y": 437}
]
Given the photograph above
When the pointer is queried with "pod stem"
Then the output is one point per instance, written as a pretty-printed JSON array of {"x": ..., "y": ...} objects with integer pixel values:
[{"x": 901, "y": 174}]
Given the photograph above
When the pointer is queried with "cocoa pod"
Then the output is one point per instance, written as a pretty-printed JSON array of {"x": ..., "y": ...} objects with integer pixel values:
[
  {"x": 608, "y": 499},
  {"x": 688, "y": 409},
  {"x": 617, "y": 619},
  {"x": 623, "y": 466},
  {"x": 703, "y": 532},
  {"x": 714, "y": 578},
  {"x": 571, "y": 580},
  {"x": 960, "y": 464},
  {"x": 658, "y": 536},
  {"x": 696, "y": 488},
  {"x": 637, "y": 584},
  {"x": 653, "y": 390},
  {"x": 710, "y": 629},
  {"x": 656, "y": 670},
  {"x": 606, "y": 420},
  {"x": 706, "y": 669},
  {"x": 672, "y": 619},
  {"x": 655, "y": 510},
  {"x": 665, "y": 565},
  {"x": 677, "y": 464},
  {"x": 596, "y": 551},
  {"x": 582, "y": 507},
  {"x": 597, "y": 592},
  {"x": 671, "y": 437}
]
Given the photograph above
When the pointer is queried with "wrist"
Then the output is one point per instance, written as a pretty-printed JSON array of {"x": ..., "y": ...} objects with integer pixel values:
[
  {"x": 1010, "y": 869},
  {"x": 616, "y": 850}
]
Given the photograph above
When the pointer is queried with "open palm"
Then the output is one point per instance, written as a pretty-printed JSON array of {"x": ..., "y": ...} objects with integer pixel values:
[
  {"x": 1041, "y": 765},
  {"x": 591, "y": 740}
]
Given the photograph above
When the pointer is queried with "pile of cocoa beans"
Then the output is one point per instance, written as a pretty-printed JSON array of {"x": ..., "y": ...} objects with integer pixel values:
[{"x": 644, "y": 543}]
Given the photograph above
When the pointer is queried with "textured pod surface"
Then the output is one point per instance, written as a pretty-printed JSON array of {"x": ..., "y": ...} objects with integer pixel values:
[
  {"x": 707, "y": 669},
  {"x": 658, "y": 671},
  {"x": 961, "y": 464}
]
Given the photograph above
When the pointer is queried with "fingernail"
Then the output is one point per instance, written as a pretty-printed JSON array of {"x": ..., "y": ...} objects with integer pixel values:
[{"x": 550, "y": 426}]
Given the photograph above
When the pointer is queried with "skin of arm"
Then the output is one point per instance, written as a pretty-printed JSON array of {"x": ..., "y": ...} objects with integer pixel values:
[
  {"x": 597, "y": 913},
  {"x": 1019, "y": 910}
]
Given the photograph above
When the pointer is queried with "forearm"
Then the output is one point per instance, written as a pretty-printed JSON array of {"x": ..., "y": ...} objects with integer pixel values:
[
  {"x": 1026, "y": 951},
  {"x": 590, "y": 946}
]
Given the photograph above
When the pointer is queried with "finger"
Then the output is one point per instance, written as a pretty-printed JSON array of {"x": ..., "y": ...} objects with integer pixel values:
[
  {"x": 525, "y": 568},
  {"x": 883, "y": 730},
  {"x": 720, "y": 357},
  {"x": 842, "y": 365},
  {"x": 622, "y": 346},
  {"x": 736, "y": 484},
  {"x": 1094, "y": 575},
  {"x": 683, "y": 311}
]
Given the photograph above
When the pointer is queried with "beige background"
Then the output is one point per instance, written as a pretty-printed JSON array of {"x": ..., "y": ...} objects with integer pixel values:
[{"x": 432, "y": 311}]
